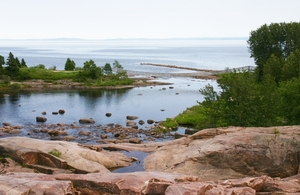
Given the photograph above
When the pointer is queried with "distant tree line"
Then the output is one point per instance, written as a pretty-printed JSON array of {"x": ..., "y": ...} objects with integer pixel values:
[
  {"x": 90, "y": 71},
  {"x": 11, "y": 66}
]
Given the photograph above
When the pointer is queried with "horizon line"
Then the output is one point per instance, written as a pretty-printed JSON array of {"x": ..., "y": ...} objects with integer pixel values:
[{"x": 84, "y": 39}]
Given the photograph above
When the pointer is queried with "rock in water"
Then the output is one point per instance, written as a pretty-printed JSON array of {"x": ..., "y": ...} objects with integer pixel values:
[
  {"x": 86, "y": 121},
  {"x": 41, "y": 119}
]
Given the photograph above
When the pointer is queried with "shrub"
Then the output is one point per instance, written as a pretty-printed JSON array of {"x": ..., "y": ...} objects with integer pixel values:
[{"x": 55, "y": 152}]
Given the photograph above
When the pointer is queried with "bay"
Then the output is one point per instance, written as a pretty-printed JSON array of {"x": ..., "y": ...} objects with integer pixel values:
[{"x": 21, "y": 107}]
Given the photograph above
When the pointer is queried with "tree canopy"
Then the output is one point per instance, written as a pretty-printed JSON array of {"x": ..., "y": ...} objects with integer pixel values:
[
  {"x": 277, "y": 39},
  {"x": 270, "y": 96}
]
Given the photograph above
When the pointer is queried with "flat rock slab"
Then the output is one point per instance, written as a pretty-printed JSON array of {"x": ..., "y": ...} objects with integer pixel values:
[
  {"x": 30, "y": 151},
  {"x": 140, "y": 183}
]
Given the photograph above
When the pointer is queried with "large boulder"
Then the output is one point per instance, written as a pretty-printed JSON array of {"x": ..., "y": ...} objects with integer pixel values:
[
  {"x": 233, "y": 152},
  {"x": 34, "y": 152}
]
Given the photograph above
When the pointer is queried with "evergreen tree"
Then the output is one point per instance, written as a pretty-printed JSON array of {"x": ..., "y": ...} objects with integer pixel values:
[
  {"x": 2, "y": 62},
  {"x": 18, "y": 62},
  {"x": 12, "y": 66},
  {"x": 23, "y": 63},
  {"x": 107, "y": 69},
  {"x": 70, "y": 65}
]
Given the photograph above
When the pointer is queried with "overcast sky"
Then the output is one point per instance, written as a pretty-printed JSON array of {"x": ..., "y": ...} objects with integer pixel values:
[{"x": 106, "y": 19}]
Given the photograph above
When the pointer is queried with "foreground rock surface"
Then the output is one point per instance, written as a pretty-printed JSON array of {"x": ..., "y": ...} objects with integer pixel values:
[
  {"x": 139, "y": 183},
  {"x": 231, "y": 153},
  {"x": 34, "y": 152},
  {"x": 232, "y": 160}
]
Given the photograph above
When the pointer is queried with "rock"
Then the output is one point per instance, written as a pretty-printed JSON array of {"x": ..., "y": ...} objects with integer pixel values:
[
  {"x": 69, "y": 138},
  {"x": 130, "y": 123},
  {"x": 135, "y": 140},
  {"x": 131, "y": 117},
  {"x": 178, "y": 135},
  {"x": 232, "y": 152},
  {"x": 141, "y": 122},
  {"x": 53, "y": 132},
  {"x": 150, "y": 121},
  {"x": 6, "y": 124},
  {"x": 44, "y": 113},
  {"x": 108, "y": 114},
  {"x": 86, "y": 121},
  {"x": 190, "y": 131},
  {"x": 84, "y": 133},
  {"x": 25, "y": 183},
  {"x": 206, "y": 188},
  {"x": 118, "y": 126},
  {"x": 61, "y": 111},
  {"x": 103, "y": 136},
  {"x": 55, "y": 113},
  {"x": 41, "y": 119},
  {"x": 29, "y": 151}
]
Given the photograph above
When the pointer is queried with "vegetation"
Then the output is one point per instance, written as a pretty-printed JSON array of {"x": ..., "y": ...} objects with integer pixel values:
[
  {"x": 270, "y": 96},
  {"x": 70, "y": 65},
  {"x": 55, "y": 152},
  {"x": 90, "y": 74}
]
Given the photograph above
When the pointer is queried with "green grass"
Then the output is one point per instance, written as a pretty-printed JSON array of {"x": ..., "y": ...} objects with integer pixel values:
[
  {"x": 55, "y": 152},
  {"x": 45, "y": 74},
  {"x": 194, "y": 117},
  {"x": 170, "y": 123}
]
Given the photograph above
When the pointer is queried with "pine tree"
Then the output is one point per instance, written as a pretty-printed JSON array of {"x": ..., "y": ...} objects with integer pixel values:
[
  {"x": 12, "y": 65},
  {"x": 23, "y": 63},
  {"x": 70, "y": 65},
  {"x": 2, "y": 62}
]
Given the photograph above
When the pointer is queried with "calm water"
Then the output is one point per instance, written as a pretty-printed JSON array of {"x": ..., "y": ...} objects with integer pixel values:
[
  {"x": 22, "y": 107},
  {"x": 209, "y": 54}
]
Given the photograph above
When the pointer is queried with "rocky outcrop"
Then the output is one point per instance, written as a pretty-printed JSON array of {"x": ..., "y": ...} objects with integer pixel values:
[
  {"x": 233, "y": 152},
  {"x": 37, "y": 153}
]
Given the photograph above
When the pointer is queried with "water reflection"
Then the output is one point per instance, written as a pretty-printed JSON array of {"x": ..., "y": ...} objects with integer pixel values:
[{"x": 22, "y": 107}]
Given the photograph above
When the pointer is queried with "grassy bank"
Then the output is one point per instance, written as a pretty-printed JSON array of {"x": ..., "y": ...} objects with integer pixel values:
[{"x": 54, "y": 77}]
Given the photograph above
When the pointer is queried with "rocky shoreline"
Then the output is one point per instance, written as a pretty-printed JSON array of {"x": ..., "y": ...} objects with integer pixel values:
[
  {"x": 233, "y": 160},
  {"x": 79, "y": 158}
]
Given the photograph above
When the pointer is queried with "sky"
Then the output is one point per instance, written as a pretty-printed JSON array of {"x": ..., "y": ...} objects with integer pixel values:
[{"x": 112, "y": 19}]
